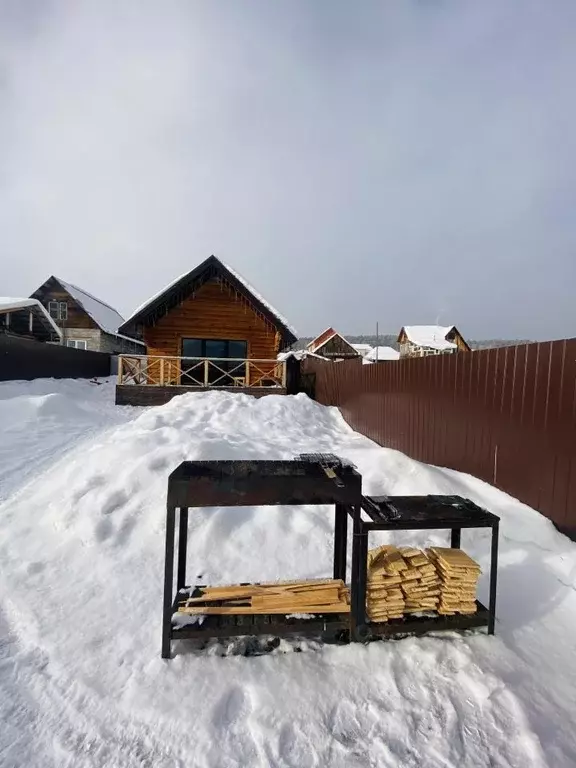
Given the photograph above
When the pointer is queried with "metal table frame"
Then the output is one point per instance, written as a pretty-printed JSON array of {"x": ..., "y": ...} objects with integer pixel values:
[
  {"x": 383, "y": 516},
  {"x": 234, "y": 484}
]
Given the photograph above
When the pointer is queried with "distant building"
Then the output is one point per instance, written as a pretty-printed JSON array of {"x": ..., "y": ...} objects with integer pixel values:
[
  {"x": 27, "y": 317},
  {"x": 333, "y": 346},
  {"x": 382, "y": 354},
  {"x": 85, "y": 322},
  {"x": 424, "y": 340},
  {"x": 362, "y": 349}
]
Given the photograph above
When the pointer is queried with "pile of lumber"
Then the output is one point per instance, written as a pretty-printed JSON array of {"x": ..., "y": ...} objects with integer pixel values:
[
  {"x": 405, "y": 580},
  {"x": 458, "y": 575},
  {"x": 400, "y": 580},
  {"x": 286, "y": 597}
]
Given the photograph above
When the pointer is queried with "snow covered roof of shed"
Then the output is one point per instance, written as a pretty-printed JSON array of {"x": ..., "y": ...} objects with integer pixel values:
[
  {"x": 182, "y": 286},
  {"x": 11, "y": 304},
  {"x": 362, "y": 349},
  {"x": 432, "y": 336},
  {"x": 382, "y": 353}
]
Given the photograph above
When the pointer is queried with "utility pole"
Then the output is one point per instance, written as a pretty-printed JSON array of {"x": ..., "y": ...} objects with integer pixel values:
[{"x": 377, "y": 341}]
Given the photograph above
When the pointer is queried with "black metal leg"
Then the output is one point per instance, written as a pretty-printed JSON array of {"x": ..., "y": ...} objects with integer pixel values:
[
  {"x": 340, "y": 541},
  {"x": 168, "y": 582},
  {"x": 182, "y": 547},
  {"x": 455, "y": 538},
  {"x": 362, "y": 575},
  {"x": 358, "y": 585},
  {"x": 493, "y": 578}
]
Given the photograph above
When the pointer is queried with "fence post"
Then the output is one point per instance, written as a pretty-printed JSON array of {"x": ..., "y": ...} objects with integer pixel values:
[
  {"x": 161, "y": 371},
  {"x": 205, "y": 373},
  {"x": 120, "y": 369}
]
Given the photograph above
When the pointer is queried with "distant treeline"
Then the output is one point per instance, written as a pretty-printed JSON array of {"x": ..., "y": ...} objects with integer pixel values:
[{"x": 389, "y": 340}]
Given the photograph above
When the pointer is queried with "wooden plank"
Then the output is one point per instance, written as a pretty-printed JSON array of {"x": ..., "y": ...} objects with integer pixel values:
[{"x": 243, "y": 611}]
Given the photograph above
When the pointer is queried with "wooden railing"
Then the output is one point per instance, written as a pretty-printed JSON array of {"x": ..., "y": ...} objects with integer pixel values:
[{"x": 147, "y": 370}]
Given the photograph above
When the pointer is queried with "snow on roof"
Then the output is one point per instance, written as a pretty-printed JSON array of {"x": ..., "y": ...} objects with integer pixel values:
[
  {"x": 103, "y": 314},
  {"x": 382, "y": 353},
  {"x": 238, "y": 277},
  {"x": 433, "y": 336},
  {"x": 363, "y": 349},
  {"x": 10, "y": 304},
  {"x": 260, "y": 298}
]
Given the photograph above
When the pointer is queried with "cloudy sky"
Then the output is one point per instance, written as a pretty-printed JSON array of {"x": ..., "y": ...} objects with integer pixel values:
[{"x": 408, "y": 161}]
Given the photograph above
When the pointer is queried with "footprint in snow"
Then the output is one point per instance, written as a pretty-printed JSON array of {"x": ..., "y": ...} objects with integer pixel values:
[
  {"x": 295, "y": 748},
  {"x": 114, "y": 501},
  {"x": 103, "y": 529},
  {"x": 235, "y": 734}
]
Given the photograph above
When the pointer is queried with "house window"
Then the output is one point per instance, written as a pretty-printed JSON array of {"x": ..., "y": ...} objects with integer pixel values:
[
  {"x": 58, "y": 310},
  {"x": 77, "y": 343},
  {"x": 227, "y": 353},
  {"x": 215, "y": 348}
]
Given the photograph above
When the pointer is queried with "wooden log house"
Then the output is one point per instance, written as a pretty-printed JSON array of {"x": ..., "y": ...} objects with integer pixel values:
[
  {"x": 84, "y": 321},
  {"x": 333, "y": 346},
  {"x": 207, "y": 329}
]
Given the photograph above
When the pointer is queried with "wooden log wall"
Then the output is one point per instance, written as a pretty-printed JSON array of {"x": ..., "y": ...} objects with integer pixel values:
[{"x": 216, "y": 311}]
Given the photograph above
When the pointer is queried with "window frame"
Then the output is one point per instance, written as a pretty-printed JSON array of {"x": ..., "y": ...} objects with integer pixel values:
[
  {"x": 203, "y": 347},
  {"x": 73, "y": 344}
]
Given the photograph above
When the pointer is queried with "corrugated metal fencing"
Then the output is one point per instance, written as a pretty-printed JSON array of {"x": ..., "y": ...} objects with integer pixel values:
[{"x": 507, "y": 415}]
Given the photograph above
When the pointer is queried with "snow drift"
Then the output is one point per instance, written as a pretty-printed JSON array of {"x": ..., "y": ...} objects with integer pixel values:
[{"x": 81, "y": 553}]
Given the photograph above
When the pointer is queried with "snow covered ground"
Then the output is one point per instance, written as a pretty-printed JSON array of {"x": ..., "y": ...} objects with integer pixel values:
[{"x": 82, "y": 488}]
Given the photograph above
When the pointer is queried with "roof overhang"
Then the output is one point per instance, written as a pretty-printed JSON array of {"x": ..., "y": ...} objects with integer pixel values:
[{"x": 20, "y": 309}]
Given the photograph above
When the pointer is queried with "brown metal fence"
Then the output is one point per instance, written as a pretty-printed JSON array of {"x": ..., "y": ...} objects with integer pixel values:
[{"x": 505, "y": 415}]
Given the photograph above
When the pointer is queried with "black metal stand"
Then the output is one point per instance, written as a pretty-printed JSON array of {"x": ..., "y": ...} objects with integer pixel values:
[
  {"x": 269, "y": 483},
  {"x": 397, "y": 513},
  {"x": 252, "y": 483}
]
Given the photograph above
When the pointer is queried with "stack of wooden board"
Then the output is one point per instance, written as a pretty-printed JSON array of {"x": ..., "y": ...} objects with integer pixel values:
[
  {"x": 384, "y": 598},
  {"x": 458, "y": 580},
  {"x": 405, "y": 580},
  {"x": 287, "y": 597},
  {"x": 420, "y": 582},
  {"x": 400, "y": 580}
]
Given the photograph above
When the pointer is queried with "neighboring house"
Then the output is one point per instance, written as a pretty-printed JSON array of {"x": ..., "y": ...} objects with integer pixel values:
[
  {"x": 85, "y": 322},
  {"x": 332, "y": 345},
  {"x": 210, "y": 313},
  {"x": 27, "y": 317},
  {"x": 381, "y": 354},
  {"x": 362, "y": 349},
  {"x": 423, "y": 340}
]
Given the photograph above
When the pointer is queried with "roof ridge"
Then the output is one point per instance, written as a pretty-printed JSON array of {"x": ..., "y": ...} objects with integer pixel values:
[{"x": 86, "y": 293}]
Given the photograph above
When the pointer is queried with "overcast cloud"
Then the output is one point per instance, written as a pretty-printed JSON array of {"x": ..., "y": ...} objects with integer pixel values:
[{"x": 401, "y": 162}]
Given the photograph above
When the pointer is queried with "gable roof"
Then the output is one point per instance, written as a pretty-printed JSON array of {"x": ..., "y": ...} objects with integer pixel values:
[
  {"x": 105, "y": 316},
  {"x": 321, "y": 338},
  {"x": 432, "y": 336},
  {"x": 10, "y": 304},
  {"x": 180, "y": 288},
  {"x": 326, "y": 336}
]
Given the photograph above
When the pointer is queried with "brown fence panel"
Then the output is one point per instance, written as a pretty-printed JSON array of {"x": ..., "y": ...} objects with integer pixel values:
[
  {"x": 507, "y": 415},
  {"x": 22, "y": 358}
]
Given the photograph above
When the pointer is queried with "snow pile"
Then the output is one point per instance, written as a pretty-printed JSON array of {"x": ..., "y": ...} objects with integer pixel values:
[{"x": 81, "y": 548}]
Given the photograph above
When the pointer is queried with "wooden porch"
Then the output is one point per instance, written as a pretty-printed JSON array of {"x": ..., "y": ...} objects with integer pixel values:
[{"x": 154, "y": 380}]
